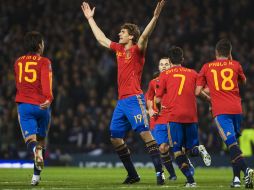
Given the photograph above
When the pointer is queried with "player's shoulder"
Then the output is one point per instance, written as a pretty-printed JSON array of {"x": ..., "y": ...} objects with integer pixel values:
[
  {"x": 235, "y": 62},
  {"x": 44, "y": 60},
  {"x": 115, "y": 45}
]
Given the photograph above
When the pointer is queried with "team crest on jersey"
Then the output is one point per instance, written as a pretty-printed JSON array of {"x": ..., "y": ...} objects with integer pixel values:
[
  {"x": 127, "y": 54},
  {"x": 26, "y": 132},
  {"x": 228, "y": 133},
  {"x": 175, "y": 143}
]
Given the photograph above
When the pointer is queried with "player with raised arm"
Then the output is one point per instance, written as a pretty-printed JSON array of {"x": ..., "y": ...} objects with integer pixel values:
[
  {"x": 158, "y": 123},
  {"x": 222, "y": 76},
  {"x": 177, "y": 85},
  {"x": 33, "y": 75},
  {"x": 130, "y": 112}
]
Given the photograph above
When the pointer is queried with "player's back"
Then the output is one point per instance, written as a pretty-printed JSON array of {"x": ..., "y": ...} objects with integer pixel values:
[
  {"x": 180, "y": 84},
  {"x": 222, "y": 77},
  {"x": 30, "y": 71}
]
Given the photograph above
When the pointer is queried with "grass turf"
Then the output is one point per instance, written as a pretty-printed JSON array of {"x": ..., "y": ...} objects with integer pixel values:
[{"x": 66, "y": 178}]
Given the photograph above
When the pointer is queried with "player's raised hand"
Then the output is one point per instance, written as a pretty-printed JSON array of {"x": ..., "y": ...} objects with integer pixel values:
[
  {"x": 45, "y": 105},
  {"x": 158, "y": 8},
  {"x": 87, "y": 10}
]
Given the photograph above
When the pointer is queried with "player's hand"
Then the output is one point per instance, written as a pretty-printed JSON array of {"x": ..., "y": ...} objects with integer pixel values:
[
  {"x": 87, "y": 10},
  {"x": 45, "y": 105},
  {"x": 158, "y": 8},
  {"x": 152, "y": 113}
]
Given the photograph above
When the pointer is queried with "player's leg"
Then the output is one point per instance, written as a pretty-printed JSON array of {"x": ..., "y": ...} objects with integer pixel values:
[
  {"x": 161, "y": 137},
  {"x": 226, "y": 130},
  {"x": 192, "y": 143},
  {"x": 28, "y": 125},
  {"x": 118, "y": 127},
  {"x": 136, "y": 113},
  {"x": 249, "y": 173},
  {"x": 176, "y": 137},
  {"x": 43, "y": 121}
]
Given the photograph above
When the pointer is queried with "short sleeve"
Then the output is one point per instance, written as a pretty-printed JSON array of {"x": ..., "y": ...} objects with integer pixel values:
[
  {"x": 201, "y": 78},
  {"x": 161, "y": 86},
  {"x": 115, "y": 46}
]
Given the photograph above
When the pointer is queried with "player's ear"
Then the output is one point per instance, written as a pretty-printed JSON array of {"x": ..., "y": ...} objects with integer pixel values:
[{"x": 131, "y": 37}]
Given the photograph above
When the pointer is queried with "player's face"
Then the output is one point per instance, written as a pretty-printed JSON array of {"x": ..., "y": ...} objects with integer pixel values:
[
  {"x": 164, "y": 65},
  {"x": 124, "y": 36}
]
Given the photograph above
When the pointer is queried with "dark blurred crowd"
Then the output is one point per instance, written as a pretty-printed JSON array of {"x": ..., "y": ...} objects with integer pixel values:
[{"x": 85, "y": 78}]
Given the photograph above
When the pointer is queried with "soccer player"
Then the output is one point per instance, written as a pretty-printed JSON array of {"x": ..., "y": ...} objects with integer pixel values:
[
  {"x": 222, "y": 76},
  {"x": 33, "y": 75},
  {"x": 158, "y": 123},
  {"x": 178, "y": 85},
  {"x": 130, "y": 112}
]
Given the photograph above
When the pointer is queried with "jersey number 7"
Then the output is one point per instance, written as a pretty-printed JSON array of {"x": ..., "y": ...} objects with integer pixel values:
[{"x": 182, "y": 77}]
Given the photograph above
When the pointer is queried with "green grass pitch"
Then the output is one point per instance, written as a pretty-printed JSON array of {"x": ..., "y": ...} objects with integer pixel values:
[{"x": 66, "y": 178}]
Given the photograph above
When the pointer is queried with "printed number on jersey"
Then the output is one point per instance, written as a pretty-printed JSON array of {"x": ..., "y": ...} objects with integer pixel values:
[
  {"x": 28, "y": 69},
  {"x": 182, "y": 77},
  {"x": 227, "y": 82}
]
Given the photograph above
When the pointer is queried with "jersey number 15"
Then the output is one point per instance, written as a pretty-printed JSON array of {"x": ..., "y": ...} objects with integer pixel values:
[{"x": 28, "y": 69}]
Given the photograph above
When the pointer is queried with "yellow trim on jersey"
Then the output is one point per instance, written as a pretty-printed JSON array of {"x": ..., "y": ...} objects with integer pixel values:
[{"x": 221, "y": 132}]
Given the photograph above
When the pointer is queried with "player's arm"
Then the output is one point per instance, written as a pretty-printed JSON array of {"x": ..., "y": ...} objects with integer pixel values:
[
  {"x": 204, "y": 95},
  {"x": 143, "y": 39},
  {"x": 99, "y": 35},
  {"x": 241, "y": 77},
  {"x": 160, "y": 90},
  {"x": 150, "y": 97},
  {"x": 46, "y": 83}
]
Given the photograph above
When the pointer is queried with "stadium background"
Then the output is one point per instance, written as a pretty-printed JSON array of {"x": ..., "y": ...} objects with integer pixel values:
[{"x": 85, "y": 87}]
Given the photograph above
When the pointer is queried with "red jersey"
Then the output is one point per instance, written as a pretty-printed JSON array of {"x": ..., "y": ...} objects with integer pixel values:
[
  {"x": 33, "y": 75},
  {"x": 222, "y": 77},
  {"x": 162, "y": 118},
  {"x": 130, "y": 65},
  {"x": 150, "y": 95},
  {"x": 180, "y": 84}
]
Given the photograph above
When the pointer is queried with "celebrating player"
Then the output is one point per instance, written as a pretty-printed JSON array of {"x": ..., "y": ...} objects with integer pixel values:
[
  {"x": 130, "y": 112},
  {"x": 158, "y": 123},
  {"x": 178, "y": 85},
  {"x": 33, "y": 76},
  {"x": 222, "y": 76}
]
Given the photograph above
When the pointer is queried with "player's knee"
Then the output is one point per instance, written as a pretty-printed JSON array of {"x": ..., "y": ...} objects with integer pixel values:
[
  {"x": 30, "y": 139},
  {"x": 163, "y": 148},
  {"x": 146, "y": 136},
  {"x": 41, "y": 141},
  {"x": 117, "y": 141},
  {"x": 178, "y": 153}
]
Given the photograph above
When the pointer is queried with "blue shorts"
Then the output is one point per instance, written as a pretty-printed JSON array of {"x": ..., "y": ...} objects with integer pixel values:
[
  {"x": 229, "y": 126},
  {"x": 183, "y": 135},
  {"x": 33, "y": 120},
  {"x": 130, "y": 113},
  {"x": 160, "y": 133}
]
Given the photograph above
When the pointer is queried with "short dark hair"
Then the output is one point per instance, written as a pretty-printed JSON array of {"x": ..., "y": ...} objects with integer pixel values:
[
  {"x": 224, "y": 47},
  {"x": 133, "y": 30},
  {"x": 176, "y": 55},
  {"x": 32, "y": 40}
]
